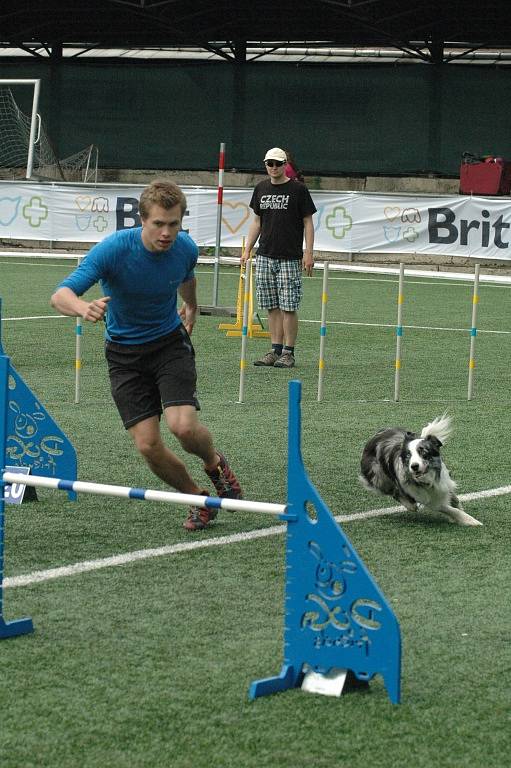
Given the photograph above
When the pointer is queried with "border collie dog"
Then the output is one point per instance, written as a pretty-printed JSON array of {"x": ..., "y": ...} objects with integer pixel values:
[{"x": 409, "y": 467}]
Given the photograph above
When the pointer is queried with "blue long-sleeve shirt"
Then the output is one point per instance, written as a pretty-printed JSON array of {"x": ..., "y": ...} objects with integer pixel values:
[{"x": 143, "y": 285}]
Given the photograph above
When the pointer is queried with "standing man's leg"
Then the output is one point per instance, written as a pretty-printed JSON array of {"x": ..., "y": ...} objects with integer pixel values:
[
  {"x": 290, "y": 328},
  {"x": 276, "y": 325},
  {"x": 290, "y": 294},
  {"x": 268, "y": 298}
]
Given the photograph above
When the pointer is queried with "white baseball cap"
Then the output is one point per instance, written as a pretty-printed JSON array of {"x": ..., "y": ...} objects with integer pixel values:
[{"x": 276, "y": 154}]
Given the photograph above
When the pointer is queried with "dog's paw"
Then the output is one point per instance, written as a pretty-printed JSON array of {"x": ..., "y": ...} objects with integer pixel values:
[
  {"x": 468, "y": 520},
  {"x": 473, "y": 521}
]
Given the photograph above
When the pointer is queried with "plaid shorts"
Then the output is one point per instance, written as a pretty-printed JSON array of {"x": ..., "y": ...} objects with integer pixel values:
[{"x": 278, "y": 283}]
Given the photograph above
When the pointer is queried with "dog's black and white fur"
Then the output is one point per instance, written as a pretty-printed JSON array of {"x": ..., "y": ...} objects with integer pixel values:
[{"x": 409, "y": 467}]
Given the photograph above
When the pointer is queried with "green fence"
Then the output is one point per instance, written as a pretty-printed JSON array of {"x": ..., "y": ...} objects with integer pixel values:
[{"x": 349, "y": 119}]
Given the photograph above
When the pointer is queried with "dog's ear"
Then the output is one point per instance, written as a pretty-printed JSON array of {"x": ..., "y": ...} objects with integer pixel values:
[
  {"x": 436, "y": 442},
  {"x": 409, "y": 436}
]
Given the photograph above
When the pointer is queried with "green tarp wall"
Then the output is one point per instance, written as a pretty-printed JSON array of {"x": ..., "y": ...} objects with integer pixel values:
[{"x": 350, "y": 119}]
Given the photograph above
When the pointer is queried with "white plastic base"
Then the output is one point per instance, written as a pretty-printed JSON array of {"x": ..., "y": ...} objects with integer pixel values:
[{"x": 331, "y": 684}]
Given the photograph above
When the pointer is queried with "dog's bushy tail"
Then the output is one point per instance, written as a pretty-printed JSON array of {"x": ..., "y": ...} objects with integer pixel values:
[{"x": 439, "y": 428}]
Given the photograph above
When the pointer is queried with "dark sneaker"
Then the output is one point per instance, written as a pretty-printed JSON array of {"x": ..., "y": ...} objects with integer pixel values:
[
  {"x": 225, "y": 481},
  {"x": 199, "y": 517},
  {"x": 268, "y": 359},
  {"x": 286, "y": 360}
]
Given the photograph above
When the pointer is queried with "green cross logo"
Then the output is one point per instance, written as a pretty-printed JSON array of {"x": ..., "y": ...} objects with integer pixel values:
[
  {"x": 100, "y": 223},
  {"x": 410, "y": 234},
  {"x": 35, "y": 211},
  {"x": 339, "y": 222}
]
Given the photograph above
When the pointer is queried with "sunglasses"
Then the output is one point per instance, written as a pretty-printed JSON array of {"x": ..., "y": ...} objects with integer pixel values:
[{"x": 274, "y": 163}]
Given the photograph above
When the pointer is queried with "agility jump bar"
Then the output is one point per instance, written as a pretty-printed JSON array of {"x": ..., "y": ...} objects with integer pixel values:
[{"x": 141, "y": 494}]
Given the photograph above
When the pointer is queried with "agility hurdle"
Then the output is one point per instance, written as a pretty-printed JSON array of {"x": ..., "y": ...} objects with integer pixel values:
[
  {"x": 336, "y": 617},
  {"x": 246, "y": 287}
]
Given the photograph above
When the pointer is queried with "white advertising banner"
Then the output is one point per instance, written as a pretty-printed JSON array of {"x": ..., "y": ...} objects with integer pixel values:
[{"x": 358, "y": 222}]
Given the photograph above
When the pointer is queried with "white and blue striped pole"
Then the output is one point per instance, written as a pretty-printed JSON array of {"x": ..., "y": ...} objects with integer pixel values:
[{"x": 142, "y": 494}]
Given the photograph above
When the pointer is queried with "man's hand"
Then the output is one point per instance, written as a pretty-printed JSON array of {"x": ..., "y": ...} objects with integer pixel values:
[
  {"x": 187, "y": 314},
  {"x": 94, "y": 311},
  {"x": 308, "y": 262},
  {"x": 245, "y": 255},
  {"x": 254, "y": 231}
]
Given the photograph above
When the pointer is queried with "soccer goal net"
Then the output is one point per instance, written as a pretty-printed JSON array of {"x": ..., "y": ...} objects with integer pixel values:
[{"x": 25, "y": 147}]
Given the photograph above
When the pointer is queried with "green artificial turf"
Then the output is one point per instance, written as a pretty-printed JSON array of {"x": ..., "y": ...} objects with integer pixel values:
[{"x": 149, "y": 663}]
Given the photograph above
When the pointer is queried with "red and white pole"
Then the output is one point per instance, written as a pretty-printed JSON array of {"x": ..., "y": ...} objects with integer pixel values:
[{"x": 220, "y": 199}]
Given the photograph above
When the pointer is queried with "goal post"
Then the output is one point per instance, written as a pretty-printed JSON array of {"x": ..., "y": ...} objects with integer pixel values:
[
  {"x": 35, "y": 120},
  {"x": 25, "y": 144}
]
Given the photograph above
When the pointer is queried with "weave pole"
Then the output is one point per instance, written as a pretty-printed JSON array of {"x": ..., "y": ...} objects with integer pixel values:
[
  {"x": 399, "y": 330},
  {"x": 322, "y": 332},
  {"x": 78, "y": 358},
  {"x": 78, "y": 350},
  {"x": 220, "y": 198},
  {"x": 473, "y": 333},
  {"x": 244, "y": 330}
]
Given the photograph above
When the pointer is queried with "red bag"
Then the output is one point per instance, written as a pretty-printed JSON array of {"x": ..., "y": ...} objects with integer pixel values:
[{"x": 491, "y": 177}]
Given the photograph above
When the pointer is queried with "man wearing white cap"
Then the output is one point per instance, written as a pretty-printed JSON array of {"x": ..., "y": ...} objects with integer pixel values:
[{"x": 283, "y": 211}]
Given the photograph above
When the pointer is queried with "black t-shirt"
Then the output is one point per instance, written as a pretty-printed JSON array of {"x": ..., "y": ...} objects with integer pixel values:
[{"x": 282, "y": 208}]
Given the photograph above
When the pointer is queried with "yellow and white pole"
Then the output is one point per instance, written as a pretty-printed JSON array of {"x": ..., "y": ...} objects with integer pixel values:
[
  {"x": 399, "y": 330},
  {"x": 322, "y": 332},
  {"x": 244, "y": 330},
  {"x": 473, "y": 334}
]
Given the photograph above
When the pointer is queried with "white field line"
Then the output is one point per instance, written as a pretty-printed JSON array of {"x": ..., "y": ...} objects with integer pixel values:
[
  {"x": 24, "y": 264},
  {"x": 35, "y": 317},
  {"x": 300, "y": 320},
  {"x": 127, "y": 558},
  {"x": 409, "y": 327}
]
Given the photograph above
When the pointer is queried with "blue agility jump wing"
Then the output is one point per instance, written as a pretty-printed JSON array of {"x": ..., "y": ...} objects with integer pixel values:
[
  {"x": 336, "y": 616},
  {"x": 32, "y": 438},
  {"x": 29, "y": 437},
  {"x": 20, "y": 626}
]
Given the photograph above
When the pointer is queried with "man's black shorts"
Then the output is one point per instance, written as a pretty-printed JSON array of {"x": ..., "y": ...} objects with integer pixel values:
[{"x": 145, "y": 378}]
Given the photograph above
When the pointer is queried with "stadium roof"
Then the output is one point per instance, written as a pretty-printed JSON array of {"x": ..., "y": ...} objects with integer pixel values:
[{"x": 298, "y": 31}]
